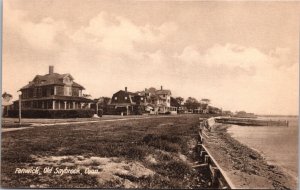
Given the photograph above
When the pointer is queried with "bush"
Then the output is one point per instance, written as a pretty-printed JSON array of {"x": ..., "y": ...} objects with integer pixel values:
[
  {"x": 53, "y": 113},
  {"x": 100, "y": 112},
  {"x": 163, "y": 142}
]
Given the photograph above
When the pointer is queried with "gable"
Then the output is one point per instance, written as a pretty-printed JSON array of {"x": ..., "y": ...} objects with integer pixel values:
[{"x": 68, "y": 80}]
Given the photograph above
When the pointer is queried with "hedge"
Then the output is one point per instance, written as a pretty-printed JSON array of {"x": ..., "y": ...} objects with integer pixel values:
[{"x": 53, "y": 113}]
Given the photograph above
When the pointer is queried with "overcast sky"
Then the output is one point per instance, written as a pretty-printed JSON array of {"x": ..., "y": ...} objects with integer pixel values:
[{"x": 241, "y": 55}]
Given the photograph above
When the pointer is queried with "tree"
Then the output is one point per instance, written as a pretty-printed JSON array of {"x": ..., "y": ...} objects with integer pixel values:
[
  {"x": 103, "y": 101},
  {"x": 192, "y": 103},
  {"x": 205, "y": 101},
  {"x": 179, "y": 100}
]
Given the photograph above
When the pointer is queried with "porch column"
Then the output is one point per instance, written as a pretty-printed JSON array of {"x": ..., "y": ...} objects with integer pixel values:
[
  {"x": 54, "y": 90},
  {"x": 74, "y": 105},
  {"x": 97, "y": 108},
  {"x": 53, "y": 104},
  {"x": 89, "y": 105},
  {"x": 81, "y": 104},
  {"x": 65, "y": 105},
  {"x": 43, "y": 104},
  {"x": 59, "y": 105},
  {"x": 126, "y": 110}
]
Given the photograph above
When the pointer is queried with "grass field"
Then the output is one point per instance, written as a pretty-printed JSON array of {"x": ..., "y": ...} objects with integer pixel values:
[{"x": 145, "y": 153}]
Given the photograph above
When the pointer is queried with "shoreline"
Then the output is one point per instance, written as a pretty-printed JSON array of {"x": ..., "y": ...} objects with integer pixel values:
[
  {"x": 283, "y": 168},
  {"x": 246, "y": 167}
]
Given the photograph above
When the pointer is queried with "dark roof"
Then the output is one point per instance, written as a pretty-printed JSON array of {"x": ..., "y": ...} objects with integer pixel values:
[
  {"x": 163, "y": 92},
  {"x": 50, "y": 79},
  {"x": 6, "y": 95},
  {"x": 130, "y": 93}
]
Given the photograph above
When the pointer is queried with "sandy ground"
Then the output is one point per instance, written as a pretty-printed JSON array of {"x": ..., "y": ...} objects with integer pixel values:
[{"x": 244, "y": 166}]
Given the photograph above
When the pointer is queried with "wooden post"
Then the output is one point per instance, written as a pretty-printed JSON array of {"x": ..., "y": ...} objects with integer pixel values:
[
  {"x": 97, "y": 109},
  {"x": 20, "y": 107}
]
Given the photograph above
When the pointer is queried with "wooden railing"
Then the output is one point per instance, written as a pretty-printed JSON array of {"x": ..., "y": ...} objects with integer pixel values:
[{"x": 218, "y": 178}]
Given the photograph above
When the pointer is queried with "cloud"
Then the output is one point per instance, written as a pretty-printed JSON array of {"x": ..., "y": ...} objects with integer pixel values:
[
  {"x": 40, "y": 35},
  {"x": 116, "y": 34},
  {"x": 246, "y": 60}
]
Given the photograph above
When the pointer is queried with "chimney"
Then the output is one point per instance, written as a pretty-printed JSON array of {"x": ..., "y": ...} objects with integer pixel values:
[
  {"x": 51, "y": 69},
  {"x": 161, "y": 87},
  {"x": 126, "y": 89}
]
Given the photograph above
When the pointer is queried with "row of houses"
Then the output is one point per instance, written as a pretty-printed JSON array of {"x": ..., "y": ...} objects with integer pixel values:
[
  {"x": 57, "y": 92},
  {"x": 147, "y": 101}
]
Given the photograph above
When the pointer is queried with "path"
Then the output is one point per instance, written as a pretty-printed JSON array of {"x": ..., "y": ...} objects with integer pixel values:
[{"x": 38, "y": 124}]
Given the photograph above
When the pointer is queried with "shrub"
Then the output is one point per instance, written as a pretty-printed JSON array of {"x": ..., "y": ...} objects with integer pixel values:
[
  {"x": 53, "y": 113},
  {"x": 163, "y": 142},
  {"x": 100, "y": 112}
]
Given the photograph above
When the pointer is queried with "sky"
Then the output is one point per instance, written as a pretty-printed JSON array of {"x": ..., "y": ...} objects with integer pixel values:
[{"x": 240, "y": 55}]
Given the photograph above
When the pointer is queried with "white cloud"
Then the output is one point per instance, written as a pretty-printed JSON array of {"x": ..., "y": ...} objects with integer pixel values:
[
  {"x": 119, "y": 35},
  {"x": 42, "y": 35},
  {"x": 39, "y": 35}
]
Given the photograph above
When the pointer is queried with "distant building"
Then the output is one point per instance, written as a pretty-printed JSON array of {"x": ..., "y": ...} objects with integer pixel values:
[
  {"x": 53, "y": 91},
  {"x": 126, "y": 103},
  {"x": 6, "y": 103},
  {"x": 159, "y": 100},
  {"x": 148, "y": 101},
  {"x": 227, "y": 113},
  {"x": 214, "y": 110}
]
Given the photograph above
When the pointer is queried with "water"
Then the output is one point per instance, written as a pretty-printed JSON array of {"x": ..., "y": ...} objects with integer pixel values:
[{"x": 279, "y": 145}]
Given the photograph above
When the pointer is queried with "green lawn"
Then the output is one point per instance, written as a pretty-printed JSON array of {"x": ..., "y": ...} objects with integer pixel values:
[{"x": 161, "y": 148}]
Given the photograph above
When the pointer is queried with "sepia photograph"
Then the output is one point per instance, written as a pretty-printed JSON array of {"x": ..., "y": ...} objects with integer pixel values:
[{"x": 148, "y": 94}]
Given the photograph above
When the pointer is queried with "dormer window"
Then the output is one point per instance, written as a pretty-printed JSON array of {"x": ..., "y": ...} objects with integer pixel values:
[{"x": 67, "y": 91}]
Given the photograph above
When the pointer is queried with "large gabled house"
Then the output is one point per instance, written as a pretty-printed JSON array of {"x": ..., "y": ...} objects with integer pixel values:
[
  {"x": 53, "y": 91},
  {"x": 124, "y": 102},
  {"x": 159, "y": 100}
]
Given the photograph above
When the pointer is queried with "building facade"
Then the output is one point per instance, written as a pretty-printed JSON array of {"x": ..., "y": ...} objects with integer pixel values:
[
  {"x": 148, "y": 101},
  {"x": 124, "y": 102},
  {"x": 53, "y": 91}
]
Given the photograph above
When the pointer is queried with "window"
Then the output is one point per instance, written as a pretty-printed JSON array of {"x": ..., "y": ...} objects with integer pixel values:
[
  {"x": 125, "y": 97},
  {"x": 67, "y": 91},
  {"x": 142, "y": 98},
  {"x": 116, "y": 98},
  {"x": 52, "y": 91},
  {"x": 34, "y": 92}
]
